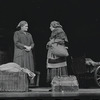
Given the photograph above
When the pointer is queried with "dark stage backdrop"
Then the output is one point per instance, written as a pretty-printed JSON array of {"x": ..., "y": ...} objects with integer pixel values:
[{"x": 80, "y": 20}]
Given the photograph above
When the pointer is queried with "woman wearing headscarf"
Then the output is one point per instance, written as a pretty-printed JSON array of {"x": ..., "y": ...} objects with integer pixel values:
[
  {"x": 56, "y": 65},
  {"x": 23, "y": 45}
]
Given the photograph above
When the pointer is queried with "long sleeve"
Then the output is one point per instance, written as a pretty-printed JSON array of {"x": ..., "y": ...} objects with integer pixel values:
[
  {"x": 32, "y": 42},
  {"x": 17, "y": 42}
]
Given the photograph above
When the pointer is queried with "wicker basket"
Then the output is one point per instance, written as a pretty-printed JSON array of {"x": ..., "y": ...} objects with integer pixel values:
[
  {"x": 13, "y": 81},
  {"x": 65, "y": 84}
]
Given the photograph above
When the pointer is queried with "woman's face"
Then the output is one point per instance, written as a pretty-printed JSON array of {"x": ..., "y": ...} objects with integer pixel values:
[
  {"x": 51, "y": 28},
  {"x": 25, "y": 27}
]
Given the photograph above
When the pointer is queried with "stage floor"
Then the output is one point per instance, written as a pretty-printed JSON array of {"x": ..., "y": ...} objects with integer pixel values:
[{"x": 44, "y": 92}]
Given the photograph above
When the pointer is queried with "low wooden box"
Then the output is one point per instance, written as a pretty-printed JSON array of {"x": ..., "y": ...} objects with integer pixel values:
[{"x": 13, "y": 81}]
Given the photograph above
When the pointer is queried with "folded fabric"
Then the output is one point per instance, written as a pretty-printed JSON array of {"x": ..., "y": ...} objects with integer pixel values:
[
  {"x": 89, "y": 61},
  {"x": 13, "y": 67}
]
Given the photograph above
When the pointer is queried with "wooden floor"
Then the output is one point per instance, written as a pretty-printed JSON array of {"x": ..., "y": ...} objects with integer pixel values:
[{"x": 44, "y": 93}]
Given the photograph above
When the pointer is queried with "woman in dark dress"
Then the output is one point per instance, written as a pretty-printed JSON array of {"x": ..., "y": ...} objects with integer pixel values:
[
  {"x": 56, "y": 66},
  {"x": 23, "y": 45}
]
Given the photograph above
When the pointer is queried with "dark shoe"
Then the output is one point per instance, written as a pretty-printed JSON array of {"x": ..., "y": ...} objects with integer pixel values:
[{"x": 50, "y": 90}]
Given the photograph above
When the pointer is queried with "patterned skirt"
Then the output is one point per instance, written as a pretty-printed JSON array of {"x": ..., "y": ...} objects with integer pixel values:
[{"x": 56, "y": 66}]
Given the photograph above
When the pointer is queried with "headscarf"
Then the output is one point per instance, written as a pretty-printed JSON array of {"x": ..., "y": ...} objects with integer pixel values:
[
  {"x": 55, "y": 24},
  {"x": 21, "y": 23}
]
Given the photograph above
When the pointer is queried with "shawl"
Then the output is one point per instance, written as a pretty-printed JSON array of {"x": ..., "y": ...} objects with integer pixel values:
[{"x": 58, "y": 33}]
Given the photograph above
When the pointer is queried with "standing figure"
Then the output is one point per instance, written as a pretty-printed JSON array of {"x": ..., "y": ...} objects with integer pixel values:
[
  {"x": 23, "y": 45},
  {"x": 56, "y": 65}
]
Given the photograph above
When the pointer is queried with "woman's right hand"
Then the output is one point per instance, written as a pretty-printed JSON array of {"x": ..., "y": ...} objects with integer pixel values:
[{"x": 27, "y": 48}]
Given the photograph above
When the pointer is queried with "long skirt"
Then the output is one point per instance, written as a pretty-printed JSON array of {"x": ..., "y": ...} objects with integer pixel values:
[
  {"x": 52, "y": 72},
  {"x": 26, "y": 61}
]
